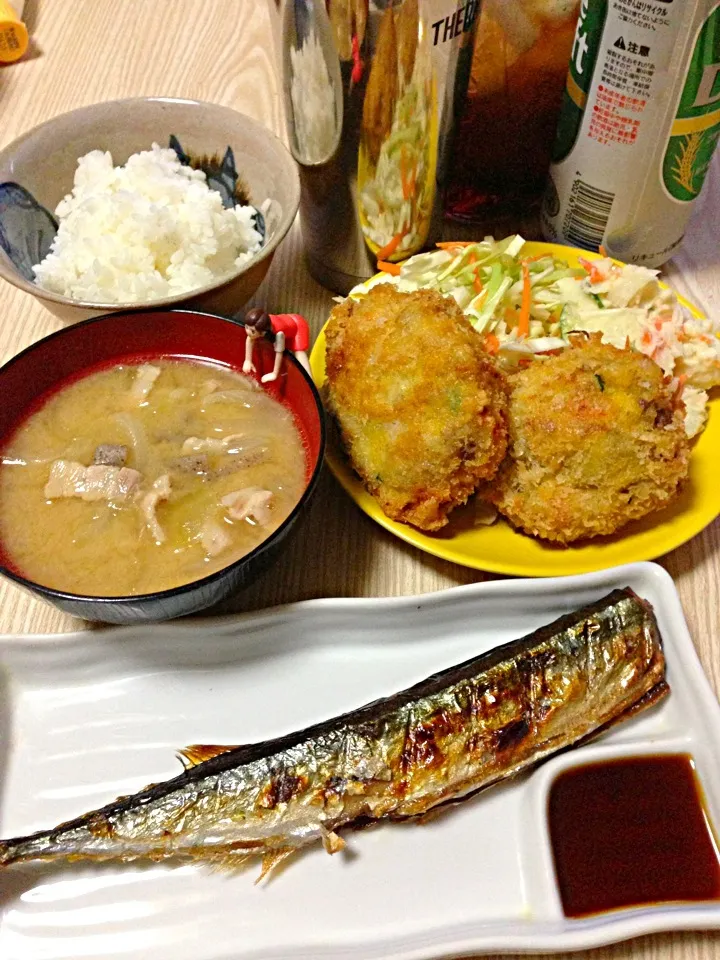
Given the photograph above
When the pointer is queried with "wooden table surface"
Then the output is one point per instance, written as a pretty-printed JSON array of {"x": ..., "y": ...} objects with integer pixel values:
[{"x": 222, "y": 51}]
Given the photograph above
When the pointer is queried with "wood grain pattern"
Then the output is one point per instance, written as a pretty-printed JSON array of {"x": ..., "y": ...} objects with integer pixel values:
[{"x": 222, "y": 51}]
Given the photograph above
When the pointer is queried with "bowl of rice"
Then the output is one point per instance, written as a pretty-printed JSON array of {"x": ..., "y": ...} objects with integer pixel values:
[{"x": 143, "y": 203}]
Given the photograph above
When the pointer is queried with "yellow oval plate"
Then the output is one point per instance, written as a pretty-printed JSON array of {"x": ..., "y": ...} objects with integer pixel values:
[{"x": 501, "y": 549}]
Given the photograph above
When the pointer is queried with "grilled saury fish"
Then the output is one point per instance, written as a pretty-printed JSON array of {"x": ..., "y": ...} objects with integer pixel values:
[{"x": 442, "y": 739}]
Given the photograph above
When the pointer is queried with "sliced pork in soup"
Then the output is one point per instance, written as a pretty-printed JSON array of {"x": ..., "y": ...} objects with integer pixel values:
[{"x": 143, "y": 477}]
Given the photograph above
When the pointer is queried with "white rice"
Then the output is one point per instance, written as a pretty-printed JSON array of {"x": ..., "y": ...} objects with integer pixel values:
[{"x": 149, "y": 229}]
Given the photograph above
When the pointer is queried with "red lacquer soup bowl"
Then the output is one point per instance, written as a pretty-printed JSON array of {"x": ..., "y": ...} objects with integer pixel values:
[{"x": 127, "y": 337}]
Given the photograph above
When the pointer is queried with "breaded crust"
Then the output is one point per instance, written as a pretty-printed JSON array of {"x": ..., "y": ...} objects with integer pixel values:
[
  {"x": 596, "y": 440},
  {"x": 422, "y": 409}
]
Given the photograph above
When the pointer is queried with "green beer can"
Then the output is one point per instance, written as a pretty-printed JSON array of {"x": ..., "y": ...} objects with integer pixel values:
[{"x": 638, "y": 127}]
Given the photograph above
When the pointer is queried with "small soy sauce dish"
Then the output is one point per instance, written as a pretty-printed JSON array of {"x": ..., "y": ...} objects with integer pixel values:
[{"x": 619, "y": 831}]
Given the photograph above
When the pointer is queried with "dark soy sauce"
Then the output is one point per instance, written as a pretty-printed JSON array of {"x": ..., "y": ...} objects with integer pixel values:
[{"x": 631, "y": 832}]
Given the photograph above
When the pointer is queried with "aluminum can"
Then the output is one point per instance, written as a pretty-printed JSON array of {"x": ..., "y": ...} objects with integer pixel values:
[
  {"x": 638, "y": 127},
  {"x": 371, "y": 90}
]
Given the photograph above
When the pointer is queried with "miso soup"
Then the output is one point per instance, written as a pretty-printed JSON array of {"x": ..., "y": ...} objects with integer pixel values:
[{"x": 142, "y": 477}]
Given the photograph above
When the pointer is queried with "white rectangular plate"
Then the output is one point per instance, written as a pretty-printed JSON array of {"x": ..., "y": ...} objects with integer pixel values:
[{"x": 87, "y": 717}]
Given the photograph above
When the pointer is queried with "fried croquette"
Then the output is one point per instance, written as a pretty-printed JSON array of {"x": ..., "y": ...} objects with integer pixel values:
[
  {"x": 596, "y": 440},
  {"x": 422, "y": 409}
]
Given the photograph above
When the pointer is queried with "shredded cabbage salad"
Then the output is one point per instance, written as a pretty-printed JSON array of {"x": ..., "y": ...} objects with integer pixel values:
[
  {"x": 526, "y": 307},
  {"x": 396, "y": 196}
]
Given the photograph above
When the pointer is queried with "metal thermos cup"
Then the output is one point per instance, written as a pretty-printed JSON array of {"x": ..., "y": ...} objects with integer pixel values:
[{"x": 372, "y": 89}]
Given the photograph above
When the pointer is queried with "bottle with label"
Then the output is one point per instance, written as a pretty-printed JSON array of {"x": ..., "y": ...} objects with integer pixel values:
[
  {"x": 372, "y": 89},
  {"x": 13, "y": 32},
  {"x": 638, "y": 127}
]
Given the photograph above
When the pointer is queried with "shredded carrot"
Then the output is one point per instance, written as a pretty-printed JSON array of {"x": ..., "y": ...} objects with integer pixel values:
[
  {"x": 491, "y": 342},
  {"x": 594, "y": 273},
  {"x": 477, "y": 282},
  {"x": 387, "y": 267},
  {"x": 391, "y": 247},
  {"x": 680, "y": 387},
  {"x": 538, "y": 256},
  {"x": 524, "y": 318},
  {"x": 601, "y": 251},
  {"x": 413, "y": 184},
  {"x": 511, "y": 314},
  {"x": 455, "y": 244}
]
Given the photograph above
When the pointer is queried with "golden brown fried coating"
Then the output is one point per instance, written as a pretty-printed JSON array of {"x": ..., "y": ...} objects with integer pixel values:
[
  {"x": 596, "y": 440},
  {"x": 421, "y": 407},
  {"x": 407, "y": 22},
  {"x": 381, "y": 92}
]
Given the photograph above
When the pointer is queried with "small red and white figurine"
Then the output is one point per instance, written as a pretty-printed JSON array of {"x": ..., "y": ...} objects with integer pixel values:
[{"x": 288, "y": 331}]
